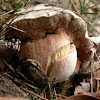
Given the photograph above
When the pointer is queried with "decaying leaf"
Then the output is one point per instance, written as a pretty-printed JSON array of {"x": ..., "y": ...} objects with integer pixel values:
[
  {"x": 97, "y": 69},
  {"x": 8, "y": 88},
  {"x": 12, "y": 98},
  {"x": 81, "y": 97},
  {"x": 82, "y": 89}
]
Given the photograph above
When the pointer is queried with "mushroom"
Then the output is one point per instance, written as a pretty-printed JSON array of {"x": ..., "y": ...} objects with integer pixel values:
[{"x": 53, "y": 37}]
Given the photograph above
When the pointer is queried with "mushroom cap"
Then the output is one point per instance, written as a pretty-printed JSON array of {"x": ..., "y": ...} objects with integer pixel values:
[{"x": 36, "y": 22}]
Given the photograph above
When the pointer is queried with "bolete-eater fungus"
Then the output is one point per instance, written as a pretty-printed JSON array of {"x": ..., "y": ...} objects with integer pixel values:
[{"x": 52, "y": 36}]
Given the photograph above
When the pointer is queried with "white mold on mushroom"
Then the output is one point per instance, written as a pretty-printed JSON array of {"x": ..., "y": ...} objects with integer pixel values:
[{"x": 55, "y": 52}]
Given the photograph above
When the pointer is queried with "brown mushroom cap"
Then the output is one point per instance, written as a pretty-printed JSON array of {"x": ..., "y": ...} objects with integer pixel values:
[{"x": 36, "y": 21}]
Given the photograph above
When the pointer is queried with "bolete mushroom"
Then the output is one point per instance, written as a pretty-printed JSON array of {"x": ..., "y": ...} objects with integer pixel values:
[{"x": 52, "y": 36}]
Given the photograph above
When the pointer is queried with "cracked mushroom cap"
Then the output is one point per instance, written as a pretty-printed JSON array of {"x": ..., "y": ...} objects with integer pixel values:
[
  {"x": 54, "y": 53},
  {"x": 50, "y": 35}
]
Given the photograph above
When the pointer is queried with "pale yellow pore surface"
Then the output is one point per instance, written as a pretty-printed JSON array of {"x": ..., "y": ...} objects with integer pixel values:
[{"x": 61, "y": 52}]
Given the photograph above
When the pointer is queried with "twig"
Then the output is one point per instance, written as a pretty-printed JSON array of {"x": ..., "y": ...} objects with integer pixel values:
[
  {"x": 19, "y": 81},
  {"x": 3, "y": 9},
  {"x": 7, "y": 13},
  {"x": 92, "y": 74},
  {"x": 97, "y": 70},
  {"x": 31, "y": 86},
  {"x": 5, "y": 25},
  {"x": 10, "y": 67},
  {"x": 97, "y": 56},
  {"x": 25, "y": 78},
  {"x": 99, "y": 62},
  {"x": 17, "y": 29},
  {"x": 30, "y": 92}
]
